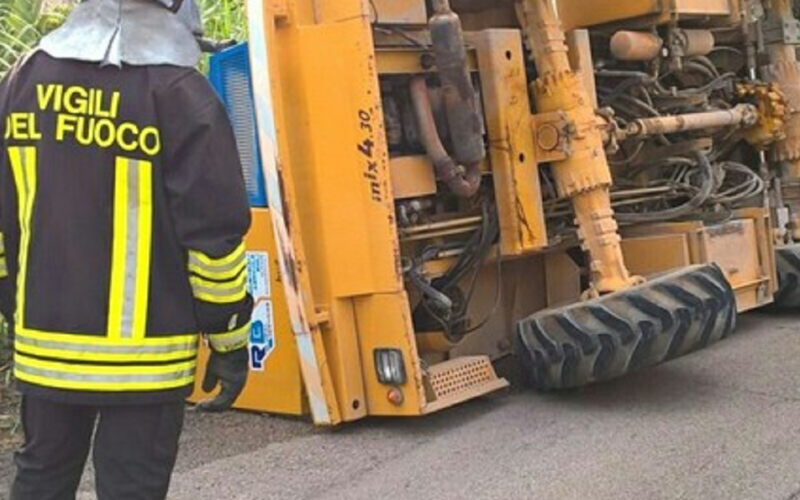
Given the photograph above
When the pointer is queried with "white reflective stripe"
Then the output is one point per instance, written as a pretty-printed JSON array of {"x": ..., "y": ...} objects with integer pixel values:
[
  {"x": 129, "y": 293},
  {"x": 229, "y": 341},
  {"x": 216, "y": 296},
  {"x": 103, "y": 377},
  {"x": 101, "y": 339},
  {"x": 131, "y": 249},
  {"x": 21, "y": 368},
  {"x": 206, "y": 267},
  {"x": 116, "y": 349},
  {"x": 218, "y": 261},
  {"x": 107, "y": 353},
  {"x": 220, "y": 293}
]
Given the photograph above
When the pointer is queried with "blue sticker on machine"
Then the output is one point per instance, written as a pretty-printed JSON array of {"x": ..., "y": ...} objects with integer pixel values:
[{"x": 262, "y": 331}]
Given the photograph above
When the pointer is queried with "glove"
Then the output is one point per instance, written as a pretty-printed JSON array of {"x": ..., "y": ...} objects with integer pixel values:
[{"x": 230, "y": 370}]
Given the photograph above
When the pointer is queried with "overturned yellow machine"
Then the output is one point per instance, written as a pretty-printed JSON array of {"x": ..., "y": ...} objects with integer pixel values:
[{"x": 593, "y": 187}]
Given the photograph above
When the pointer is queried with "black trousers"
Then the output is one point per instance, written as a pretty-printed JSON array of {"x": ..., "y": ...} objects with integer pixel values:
[{"x": 134, "y": 450}]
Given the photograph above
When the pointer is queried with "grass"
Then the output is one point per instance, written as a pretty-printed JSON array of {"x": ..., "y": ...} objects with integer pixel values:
[
  {"x": 223, "y": 20},
  {"x": 24, "y": 22}
]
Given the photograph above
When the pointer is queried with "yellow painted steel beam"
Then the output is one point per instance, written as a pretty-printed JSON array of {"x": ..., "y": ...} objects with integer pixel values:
[
  {"x": 270, "y": 113},
  {"x": 515, "y": 168},
  {"x": 340, "y": 204},
  {"x": 583, "y": 174}
]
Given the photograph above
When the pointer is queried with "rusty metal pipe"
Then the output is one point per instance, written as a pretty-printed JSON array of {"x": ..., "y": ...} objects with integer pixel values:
[
  {"x": 462, "y": 181},
  {"x": 635, "y": 46},
  {"x": 692, "y": 43},
  {"x": 742, "y": 114},
  {"x": 460, "y": 102}
]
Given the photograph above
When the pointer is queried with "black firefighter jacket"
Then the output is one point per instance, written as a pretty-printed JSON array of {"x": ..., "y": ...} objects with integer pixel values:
[{"x": 122, "y": 210}]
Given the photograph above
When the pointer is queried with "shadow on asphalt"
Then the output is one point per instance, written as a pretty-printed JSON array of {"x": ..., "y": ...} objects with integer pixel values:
[{"x": 663, "y": 389}]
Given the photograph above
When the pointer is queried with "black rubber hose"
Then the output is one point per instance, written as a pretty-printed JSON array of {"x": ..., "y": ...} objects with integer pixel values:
[{"x": 687, "y": 208}]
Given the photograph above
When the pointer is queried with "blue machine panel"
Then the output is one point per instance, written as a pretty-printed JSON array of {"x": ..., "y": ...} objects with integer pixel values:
[{"x": 229, "y": 73}]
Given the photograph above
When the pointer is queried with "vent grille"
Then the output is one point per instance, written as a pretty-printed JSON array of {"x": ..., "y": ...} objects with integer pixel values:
[
  {"x": 459, "y": 375},
  {"x": 230, "y": 76}
]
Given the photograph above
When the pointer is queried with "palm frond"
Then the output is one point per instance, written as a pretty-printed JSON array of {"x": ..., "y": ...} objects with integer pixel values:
[{"x": 24, "y": 22}]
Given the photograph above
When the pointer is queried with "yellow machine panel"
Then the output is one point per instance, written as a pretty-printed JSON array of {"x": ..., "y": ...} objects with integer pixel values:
[
  {"x": 582, "y": 13},
  {"x": 399, "y": 12},
  {"x": 742, "y": 247},
  {"x": 274, "y": 383}
]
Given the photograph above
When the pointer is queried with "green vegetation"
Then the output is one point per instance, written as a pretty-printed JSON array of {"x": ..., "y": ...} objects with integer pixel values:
[
  {"x": 24, "y": 22},
  {"x": 224, "y": 19}
]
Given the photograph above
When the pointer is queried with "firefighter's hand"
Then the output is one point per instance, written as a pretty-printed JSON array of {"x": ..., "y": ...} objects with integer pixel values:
[{"x": 229, "y": 370}]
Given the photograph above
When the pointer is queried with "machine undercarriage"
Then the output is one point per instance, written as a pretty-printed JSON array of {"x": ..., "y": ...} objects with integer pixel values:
[
  {"x": 596, "y": 187},
  {"x": 645, "y": 122}
]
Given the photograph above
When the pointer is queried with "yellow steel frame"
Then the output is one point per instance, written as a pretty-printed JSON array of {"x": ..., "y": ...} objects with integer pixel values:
[
  {"x": 339, "y": 194},
  {"x": 582, "y": 14},
  {"x": 339, "y": 198},
  {"x": 340, "y": 185},
  {"x": 513, "y": 156},
  {"x": 742, "y": 247}
]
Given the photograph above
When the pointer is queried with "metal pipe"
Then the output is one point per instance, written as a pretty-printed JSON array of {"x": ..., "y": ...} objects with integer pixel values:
[
  {"x": 742, "y": 114},
  {"x": 437, "y": 234},
  {"x": 692, "y": 43},
  {"x": 449, "y": 224},
  {"x": 460, "y": 102},
  {"x": 463, "y": 181},
  {"x": 635, "y": 46}
]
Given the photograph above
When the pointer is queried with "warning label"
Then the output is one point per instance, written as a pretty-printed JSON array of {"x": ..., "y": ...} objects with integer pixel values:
[{"x": 262, "y": 331}]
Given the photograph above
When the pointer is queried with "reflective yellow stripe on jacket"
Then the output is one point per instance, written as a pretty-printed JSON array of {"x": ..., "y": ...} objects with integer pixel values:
[
  {"x": 123, "y": 358},
  {"x": 23, "y": 165},
  {"x": 85, "y": 348},
  {"x": 130, "y": 264},
  {"x": 219, "y": 280},
  {"x": 103, "y": 378},
  {"x": 230, "y": 341}
]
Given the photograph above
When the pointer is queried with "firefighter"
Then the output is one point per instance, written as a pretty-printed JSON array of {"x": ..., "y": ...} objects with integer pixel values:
[{"x": 122, "y": 211}]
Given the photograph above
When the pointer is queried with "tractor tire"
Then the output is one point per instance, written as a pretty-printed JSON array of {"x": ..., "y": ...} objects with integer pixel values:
[
  {"x": 787, "y": 260},
  {"x": 622, "y": 332}
]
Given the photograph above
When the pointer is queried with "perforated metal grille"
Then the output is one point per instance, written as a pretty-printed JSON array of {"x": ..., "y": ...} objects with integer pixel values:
[
  {"x": 230, "y": 75},
  {"x": 237, "y": 86},
  {"x": 460, "y": 375}
]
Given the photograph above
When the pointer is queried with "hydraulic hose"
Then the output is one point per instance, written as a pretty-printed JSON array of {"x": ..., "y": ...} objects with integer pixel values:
[
  {"x": 687, "y": 208},
  {"x": 462, "y": 181}
]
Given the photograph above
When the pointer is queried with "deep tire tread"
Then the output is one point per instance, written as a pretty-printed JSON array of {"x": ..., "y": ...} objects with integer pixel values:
[
  {"x": 627, "y": 331},
  {"x": 787, "y": 261}
]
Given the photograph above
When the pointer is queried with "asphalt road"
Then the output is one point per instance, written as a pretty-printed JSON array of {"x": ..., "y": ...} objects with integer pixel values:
[{"x": 723, "y": 423}]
